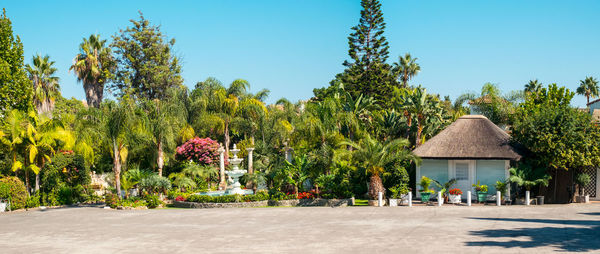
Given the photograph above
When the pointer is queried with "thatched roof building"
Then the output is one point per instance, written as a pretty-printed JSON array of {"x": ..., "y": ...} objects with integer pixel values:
[{"x": 470, "y": 137}]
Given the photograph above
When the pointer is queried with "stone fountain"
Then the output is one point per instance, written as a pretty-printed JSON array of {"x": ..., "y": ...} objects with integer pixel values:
[{"x": 235, "y": 174}]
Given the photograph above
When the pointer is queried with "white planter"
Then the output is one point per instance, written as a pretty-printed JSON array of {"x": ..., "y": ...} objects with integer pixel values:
[
  {"x": 404, "y": 199},
  {"x": 454, "y": 199},
  {"x": 393, "y": 202},
  {"x": 3, "y": 206}
]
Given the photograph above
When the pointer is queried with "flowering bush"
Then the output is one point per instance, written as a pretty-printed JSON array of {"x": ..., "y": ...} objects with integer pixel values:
[
  {"x": 203, "y": 151},
  {"x": 179, "y": 198},
  {"x": 455, "y": 191},
  {"x": 306, "y": 195}
]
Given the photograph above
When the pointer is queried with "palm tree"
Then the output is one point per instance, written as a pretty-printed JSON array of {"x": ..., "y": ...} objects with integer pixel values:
[
  {"x": 420, "y": 107},
  {"x": 295, "y": 172},
  {"x": 533, "y": 86},
  {"x": 93, "y": 66},
  {"x": 375, "y": 156},
  {"x": 164, "y": 120},
  {"x": 48, "y": 135},
  {"x": 45, "y": 85},
  {"x": 15, "y": 136},
  {"x": 588, "y": 88},
  {"x": 407, "y": 67}
]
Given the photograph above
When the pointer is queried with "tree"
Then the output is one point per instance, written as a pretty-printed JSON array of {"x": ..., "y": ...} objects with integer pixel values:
[
  {"x": 294, "y": 172},
  {"x": 588, "y": 88},
  {"x": 377, "y": 157},
  {"x": 146, "y": 66},
  {"x": 533, "y": 86},
  {"x": 15, "y": 87},
  {"x": 165, "y": 118},
  {"x": 407, "y": 67},
  {"x": 14, "y": 137},
  {"x": 93, "y": 67},
  {"x": 45, "y": 85},
  {"x": 367, "y": 73},
  {"x": 419, "y": 108}
]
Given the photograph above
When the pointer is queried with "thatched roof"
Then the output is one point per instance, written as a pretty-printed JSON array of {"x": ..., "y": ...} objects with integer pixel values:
[{"x": 470, "y": 137}]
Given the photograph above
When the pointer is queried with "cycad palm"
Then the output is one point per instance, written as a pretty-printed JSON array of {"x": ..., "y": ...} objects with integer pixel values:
[
  {"x": 588, "y": 88},
  {"x": 93, "y": 66},
  {"x": 45, "y": 85},
  {"x": 375, "y": 156}
]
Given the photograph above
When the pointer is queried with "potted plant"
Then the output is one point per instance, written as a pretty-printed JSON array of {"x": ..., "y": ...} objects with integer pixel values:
[
  {"x": 445, "y": 187},
  {"x": 425, "y": 191},
  {"x": 582, "y": 180},
  {"x": 393, "y": 200},
  {"x": 454, "y": 196},
  {"x": 481, "y": 190},
  {"x": 501, "y": 187},
  {"x": 528, "y": 177},
  {"x": 404, "y": 192}
]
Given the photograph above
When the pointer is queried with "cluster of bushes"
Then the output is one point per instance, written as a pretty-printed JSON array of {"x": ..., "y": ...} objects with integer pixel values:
[
  {"x": 259, "y": 196},
  {"x": 13, "y": 190},
  {"x": 150, "y": 201},
  {"x": 64, "y": 181}
]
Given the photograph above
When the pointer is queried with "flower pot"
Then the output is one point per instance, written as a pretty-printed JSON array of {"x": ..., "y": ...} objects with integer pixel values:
[
  {"x": 454, "y": 199},
  {"x": 481, "y": 196},
  {"x": 393, "y": 202},
  {"x": 403, "y": 199},
  {"x": 540, "y": 200},
  {"x": 425, "y": 196}
]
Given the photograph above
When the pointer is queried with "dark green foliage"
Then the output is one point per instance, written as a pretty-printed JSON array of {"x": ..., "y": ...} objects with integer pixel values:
[
  {"x": 155, "y": 184},
  {"x": 153, "y": 201},
  {"x": 147, "y": 67},
  {"x": 16, "y": 89},
  {"x": 557, "y": 135},
  {"x": 65, "y": 180},
  {"x": 33, "y": 201},
  {"x": 278, "y": 195},
  {"x": 13, "y": 190},
  {"x": 259, "y": 196}
]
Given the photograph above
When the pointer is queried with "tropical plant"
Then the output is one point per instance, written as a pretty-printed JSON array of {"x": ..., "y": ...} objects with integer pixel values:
[
  {"x": 406, "y": 67},
  {"x": 256, "y": 178},
  {"x": 425, "y": 183},
  {"x": 533, "y": 86},
  {"x": 481, "y": 188},
  {"x": 155, "y": 184},
  {"x": 45, "y": 85},
  {"x": 588, "y": 88},
  {"x": 375, "y": 156},
  {"x": 502, "y": 187},
  {"x": 445, "y": 186},
  {"x": 93, "y": 66},
  {"x": 528, "y": 177},
  {"x": 295, "y": 172}
]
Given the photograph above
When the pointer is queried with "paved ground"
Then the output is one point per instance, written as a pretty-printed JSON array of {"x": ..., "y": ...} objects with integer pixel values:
[{"x": 516, "y": 229}]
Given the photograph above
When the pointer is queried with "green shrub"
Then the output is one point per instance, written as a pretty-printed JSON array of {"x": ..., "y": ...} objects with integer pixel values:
[
  {"x": 278, "y": 195},
  {"x": 13, "y": 189},
  {"x": 33, "y": 201},
  {"x": 133, "y": 202},
  {"x": 51, "y": 198},
  {"x": 155, "y": 184},
  {"x": 153, "y": 201},
  {"x": 111, "y": 200},
  {"x": 65, "y": 195}
]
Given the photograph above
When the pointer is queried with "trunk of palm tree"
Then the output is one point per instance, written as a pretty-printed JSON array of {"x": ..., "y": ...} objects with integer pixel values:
[
  {"x": 93, "y": 94},
  {"x": 37, "y": 182},
  {"x": 160, "y": 158},
  {"x": 419, "y": 132},
  {"x": 375, "y": 186},
  {"x": 27, "y": 181},
  {"x": 227, "y": 141},
  {"x": 117, "y": 167}
]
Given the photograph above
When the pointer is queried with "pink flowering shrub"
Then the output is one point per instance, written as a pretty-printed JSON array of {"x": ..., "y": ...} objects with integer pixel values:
[{"x": 203, "y": 151}]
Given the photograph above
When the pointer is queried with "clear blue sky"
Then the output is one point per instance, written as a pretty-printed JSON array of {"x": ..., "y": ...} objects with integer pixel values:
[{"x": 291, "y": 47}]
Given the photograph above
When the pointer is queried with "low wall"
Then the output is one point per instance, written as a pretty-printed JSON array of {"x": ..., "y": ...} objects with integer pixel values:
[{"x": 291, "y": 202}]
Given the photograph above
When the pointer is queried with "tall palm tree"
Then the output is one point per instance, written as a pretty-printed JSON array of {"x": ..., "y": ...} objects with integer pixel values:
[
  {"x": 45, "y": 84},
  {"x": 407, "y": 67},
  {"x": 376, "y": 157},
  {"x": 93, "y": 66},
  {"x": 533, "y": 86},
  {"x": 588, "y": 88}
]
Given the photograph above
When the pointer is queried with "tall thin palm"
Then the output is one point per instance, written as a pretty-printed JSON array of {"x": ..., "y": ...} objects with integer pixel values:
[
  {"x": 588, "y": 88},
  {"x": 17, "y": 132},
  {"x": 93, "y": 66},
  {"x": 407, "y": 67},
  {"x": 45, "y": 85}
]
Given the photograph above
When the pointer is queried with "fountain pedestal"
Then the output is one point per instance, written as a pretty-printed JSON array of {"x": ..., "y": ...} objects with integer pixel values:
[{"x": 235, "y": 175}]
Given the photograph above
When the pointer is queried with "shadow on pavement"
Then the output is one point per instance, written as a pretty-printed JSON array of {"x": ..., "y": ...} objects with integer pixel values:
[{"x": 571, "y": 235}]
